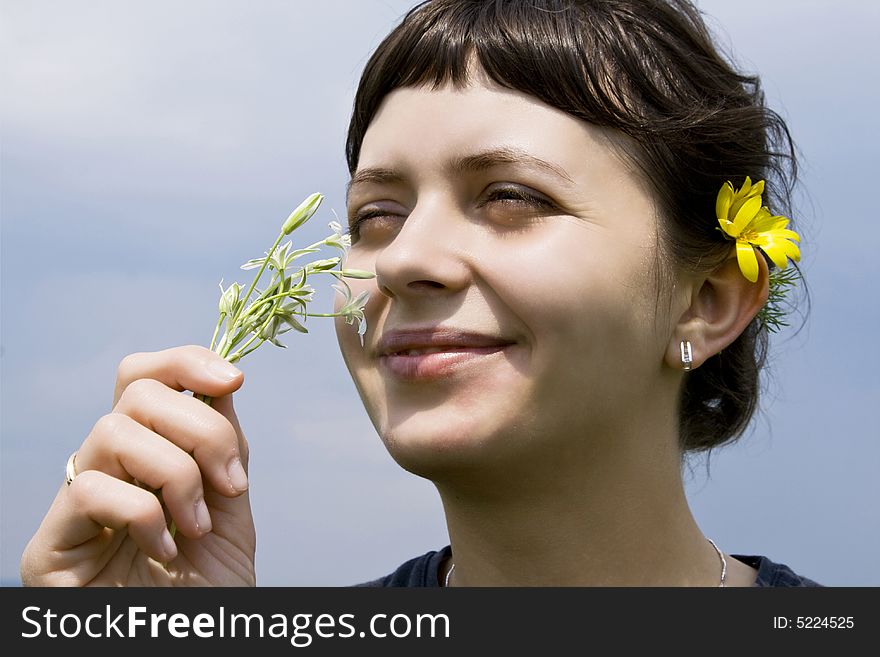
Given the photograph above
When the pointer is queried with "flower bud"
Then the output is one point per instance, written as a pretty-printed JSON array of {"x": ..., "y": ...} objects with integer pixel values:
[
  {"x": 357, "y": 273},
  {"x": 303, "y": 213},
  {"x": 229, "y": 299},
  {"x": 323, "y": 265}
]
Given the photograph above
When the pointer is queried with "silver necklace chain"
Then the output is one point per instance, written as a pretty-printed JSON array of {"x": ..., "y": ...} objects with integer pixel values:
[
  {"x": 720, "y": 556},
  {"x": 723, "y": 563},
  {"x": 449, "y": 574}
]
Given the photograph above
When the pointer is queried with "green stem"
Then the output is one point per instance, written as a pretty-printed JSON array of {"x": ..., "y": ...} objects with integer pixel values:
[
  {"x": 235, "y": 357},
  {"x": 323, "y": 242},
  {"x": 217, "y": 330},
  {"x": 259, "y": 274},
  {"x": 238, "y": 354},
  {"x": 283, "y": 295},
  {"x": 259, "y": 301}
]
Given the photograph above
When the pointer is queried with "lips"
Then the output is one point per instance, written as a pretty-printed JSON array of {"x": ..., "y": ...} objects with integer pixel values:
[
  {"x": 436, "y": 352},
  {"x": 422, "y": 351},
  {"x": 434, "y": 340}
]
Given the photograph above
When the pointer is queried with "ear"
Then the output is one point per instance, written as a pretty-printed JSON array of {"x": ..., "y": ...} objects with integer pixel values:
[{"x": 720, "y": 309}]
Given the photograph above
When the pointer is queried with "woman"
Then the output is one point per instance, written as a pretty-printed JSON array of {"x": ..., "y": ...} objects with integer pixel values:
[{"x": 564, "y": 306}]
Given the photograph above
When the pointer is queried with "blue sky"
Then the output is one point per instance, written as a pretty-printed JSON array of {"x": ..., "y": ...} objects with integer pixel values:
[{"x": 148, "y": 148}]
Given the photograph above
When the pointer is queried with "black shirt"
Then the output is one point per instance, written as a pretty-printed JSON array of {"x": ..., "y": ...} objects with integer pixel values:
[{"x": 424, "y": 571}]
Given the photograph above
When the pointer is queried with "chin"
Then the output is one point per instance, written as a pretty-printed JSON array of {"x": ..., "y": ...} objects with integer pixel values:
[{"x": 431, "y": 443}]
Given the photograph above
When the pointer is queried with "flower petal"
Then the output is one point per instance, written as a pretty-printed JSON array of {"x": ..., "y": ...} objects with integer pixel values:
[
  {"x": 778, "y": 249},
  {"x": 791, "y": 250},
  {"x": 253, "y": 264},
  {"x": 746, "y": 214},
  {"x": 782, "y": 233},
  {"x": 746, "y": 192},
  {"x": 764, "y": 221},
  {"x": 748, "y": 261},
  {"x": 728, "y": 228},
  {"x": 722, "y": 203},
  {"x": 776, "y": 252},
  {"x": 292, "y": 322}
]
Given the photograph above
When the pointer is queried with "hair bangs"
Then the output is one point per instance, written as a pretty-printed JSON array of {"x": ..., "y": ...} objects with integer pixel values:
[{"x": 439, "y": 44}]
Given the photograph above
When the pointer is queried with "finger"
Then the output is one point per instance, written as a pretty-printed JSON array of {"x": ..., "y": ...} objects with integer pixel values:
[
  {"x": 123, "y": 448},
  {"x": 193, "y": 426},
  {"x": 95, "y": 500},
  {"x": 180, "y": 368},
  {"x": 224, "y": 405}
]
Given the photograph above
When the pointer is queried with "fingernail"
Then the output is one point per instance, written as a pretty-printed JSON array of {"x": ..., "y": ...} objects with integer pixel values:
[
  {"x": 168, "y": 545},
  {"x": 203, "y": 518},
  {"x": 237, "y": 476},
  {"x": 223, "y": 370}
]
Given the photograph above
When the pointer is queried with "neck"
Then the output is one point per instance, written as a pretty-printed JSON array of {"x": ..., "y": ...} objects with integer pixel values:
[{"x": 615, "y": 516}]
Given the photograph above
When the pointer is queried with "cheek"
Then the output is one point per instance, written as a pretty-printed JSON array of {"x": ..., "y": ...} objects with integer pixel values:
[
  {"x": 363, "y": 373},
  {"x": 587, "y": 301},
  {"x": 580, "y": 276}
]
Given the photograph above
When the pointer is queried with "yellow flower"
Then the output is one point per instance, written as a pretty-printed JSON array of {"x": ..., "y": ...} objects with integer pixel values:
[{"x": 743, "y": 218}]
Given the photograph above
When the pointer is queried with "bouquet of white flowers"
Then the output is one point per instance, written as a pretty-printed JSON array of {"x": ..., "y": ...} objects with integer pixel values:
[{"x": 261, "y": 315}]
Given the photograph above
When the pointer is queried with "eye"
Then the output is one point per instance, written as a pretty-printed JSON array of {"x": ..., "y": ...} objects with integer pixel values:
[
  {"x": 511, "y": 202},
  {"x": 371, "y": 218}
]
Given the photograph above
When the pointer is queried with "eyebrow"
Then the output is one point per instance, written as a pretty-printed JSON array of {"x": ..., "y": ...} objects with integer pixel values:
[{"x": 473, "y": 163}]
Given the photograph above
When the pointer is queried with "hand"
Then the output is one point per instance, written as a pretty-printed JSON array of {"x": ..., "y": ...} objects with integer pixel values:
[{"x": 159, "y": 456}]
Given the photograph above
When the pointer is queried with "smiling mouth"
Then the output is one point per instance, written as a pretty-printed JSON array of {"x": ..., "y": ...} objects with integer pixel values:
[
  {"x": 433, "y": 363},
  {"x": 437, "y": 352},
  {"x": 426, "y": 351}
]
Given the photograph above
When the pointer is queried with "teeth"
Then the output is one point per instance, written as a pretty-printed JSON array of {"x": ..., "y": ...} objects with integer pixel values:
[{"x": 422, "y": 352}]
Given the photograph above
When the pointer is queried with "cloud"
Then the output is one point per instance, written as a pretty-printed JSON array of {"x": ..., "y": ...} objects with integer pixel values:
[{"x": 172, "y": 99}]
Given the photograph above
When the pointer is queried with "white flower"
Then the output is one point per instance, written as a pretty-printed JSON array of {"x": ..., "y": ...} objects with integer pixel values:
[
  {"x": 282, "y": 306},
  {"x": 229, "y": 301},
  {"x": 338, "y": 239},
  {"x": 353, "y": 308}
]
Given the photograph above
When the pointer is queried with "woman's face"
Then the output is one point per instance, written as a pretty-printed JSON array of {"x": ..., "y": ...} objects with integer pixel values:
[{"x": 514, "y": 308}]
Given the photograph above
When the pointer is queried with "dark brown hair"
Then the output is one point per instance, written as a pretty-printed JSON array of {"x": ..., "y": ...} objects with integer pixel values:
[{"x": 649, "y": 69}]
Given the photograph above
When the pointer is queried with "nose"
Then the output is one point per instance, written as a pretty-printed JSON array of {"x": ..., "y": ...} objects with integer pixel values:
[{"x": 428, "y": 255}]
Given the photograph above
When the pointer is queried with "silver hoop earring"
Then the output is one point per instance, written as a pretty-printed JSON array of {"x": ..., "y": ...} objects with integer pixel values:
[{"x": 687, "y": 358}]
